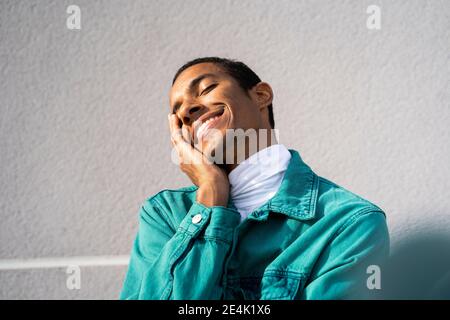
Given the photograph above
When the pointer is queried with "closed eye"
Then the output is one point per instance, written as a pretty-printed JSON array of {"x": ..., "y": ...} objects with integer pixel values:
[{"x": 208, "y": 89}]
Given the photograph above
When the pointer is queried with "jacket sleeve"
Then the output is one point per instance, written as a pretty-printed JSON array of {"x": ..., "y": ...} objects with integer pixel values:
[
  {"x": 351, "y": 266},
  {"x": 186, "y": 263}
]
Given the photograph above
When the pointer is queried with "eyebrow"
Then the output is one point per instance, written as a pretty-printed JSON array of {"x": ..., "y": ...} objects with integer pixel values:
[{"x": 194, "y": 83}]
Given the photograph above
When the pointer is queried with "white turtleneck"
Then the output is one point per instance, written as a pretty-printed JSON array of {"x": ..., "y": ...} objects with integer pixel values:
[{"x": 256, "y": 179}]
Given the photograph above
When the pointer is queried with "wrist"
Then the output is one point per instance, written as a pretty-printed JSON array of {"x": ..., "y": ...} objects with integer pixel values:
[{"x": 213, "y": 194}]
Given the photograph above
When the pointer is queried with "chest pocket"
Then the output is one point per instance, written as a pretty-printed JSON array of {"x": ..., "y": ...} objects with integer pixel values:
[
  {"x": 281, "y": 284},
  {"x": 273, "y": 285},
  {"x": 247, "y": 288}
]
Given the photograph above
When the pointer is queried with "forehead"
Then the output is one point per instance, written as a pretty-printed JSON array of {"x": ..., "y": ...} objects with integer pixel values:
[{"x": 185, "y": 77}]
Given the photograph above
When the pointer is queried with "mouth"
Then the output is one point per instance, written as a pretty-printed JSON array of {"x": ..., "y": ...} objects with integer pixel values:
[{"x": 206, "y": 122}]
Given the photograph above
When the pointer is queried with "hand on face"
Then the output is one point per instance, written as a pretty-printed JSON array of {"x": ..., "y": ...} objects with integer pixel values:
[{"x": 212, "y": 181}]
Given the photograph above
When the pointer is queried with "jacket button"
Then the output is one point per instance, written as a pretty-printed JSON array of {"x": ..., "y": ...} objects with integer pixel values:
[{"x": 197, "y": 218}]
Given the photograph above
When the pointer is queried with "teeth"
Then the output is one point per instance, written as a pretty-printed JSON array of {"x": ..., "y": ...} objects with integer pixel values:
[{"x": 203, "y": 126}]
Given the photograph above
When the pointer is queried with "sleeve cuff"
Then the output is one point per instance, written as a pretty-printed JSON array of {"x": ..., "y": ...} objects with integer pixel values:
[{"x": 217, "y": 221}]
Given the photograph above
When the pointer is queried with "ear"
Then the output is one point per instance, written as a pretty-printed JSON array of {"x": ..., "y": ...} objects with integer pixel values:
[{"x": 264, "y": 94}]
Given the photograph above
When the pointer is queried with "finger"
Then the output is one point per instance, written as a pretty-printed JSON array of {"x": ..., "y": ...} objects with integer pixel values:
[
  {"x": 175, "y": 129},
  {"x": 186, "y": 135},
  {"x": 172, "y": 126},
  {"x": 181, "y": 141},
  {"x": 183, "y": 148},
  {"x": 173, "y": 122}
]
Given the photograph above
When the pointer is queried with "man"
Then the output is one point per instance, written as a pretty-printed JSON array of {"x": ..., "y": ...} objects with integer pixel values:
[{"x": 266, "y": 227}]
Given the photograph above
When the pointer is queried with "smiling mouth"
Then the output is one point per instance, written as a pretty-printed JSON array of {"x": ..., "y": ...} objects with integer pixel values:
[{"x": 202, "y": 126}]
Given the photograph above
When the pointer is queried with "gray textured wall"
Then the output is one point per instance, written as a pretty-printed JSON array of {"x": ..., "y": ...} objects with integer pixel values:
[{"x": 83, "y": 132}]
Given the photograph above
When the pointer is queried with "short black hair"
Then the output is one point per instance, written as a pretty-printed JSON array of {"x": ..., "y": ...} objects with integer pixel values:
[{"x": 245, "y": 76}]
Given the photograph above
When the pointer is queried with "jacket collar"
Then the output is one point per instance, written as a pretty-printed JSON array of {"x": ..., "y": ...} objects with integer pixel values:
[{"x": 297, "y": 195}]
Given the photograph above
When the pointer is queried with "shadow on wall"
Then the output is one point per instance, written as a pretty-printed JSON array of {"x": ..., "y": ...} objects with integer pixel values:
[{"x": 419, "y": 268}]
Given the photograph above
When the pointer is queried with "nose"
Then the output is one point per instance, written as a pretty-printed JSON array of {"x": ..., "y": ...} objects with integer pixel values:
[{"x": 189, "y": 113}]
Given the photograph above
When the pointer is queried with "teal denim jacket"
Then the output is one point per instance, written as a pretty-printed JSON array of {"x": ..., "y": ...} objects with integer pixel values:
[{"x": 312, "y": 240}]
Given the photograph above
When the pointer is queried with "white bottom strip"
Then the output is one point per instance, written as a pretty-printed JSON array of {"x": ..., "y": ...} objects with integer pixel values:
[{"x": 63, "y": 262}]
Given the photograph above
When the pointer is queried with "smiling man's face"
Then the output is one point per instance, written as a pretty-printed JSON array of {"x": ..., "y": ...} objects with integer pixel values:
[{"x": 204, "y": 97}]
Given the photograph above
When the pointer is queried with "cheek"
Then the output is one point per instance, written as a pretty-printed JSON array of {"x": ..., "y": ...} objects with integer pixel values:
[
  {"x": 239, "y": 111},
  {"x": 243, "y": 116}
]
